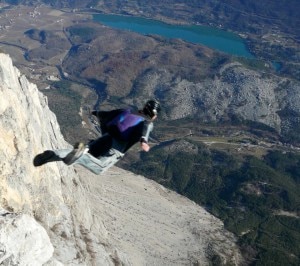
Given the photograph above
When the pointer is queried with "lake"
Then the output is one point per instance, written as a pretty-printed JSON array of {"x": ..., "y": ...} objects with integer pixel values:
[{"x": 214, "y": 38}]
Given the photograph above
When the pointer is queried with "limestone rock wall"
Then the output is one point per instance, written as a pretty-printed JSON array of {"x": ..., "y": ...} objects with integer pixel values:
[
  {"x": 51, "y": 195},
  {"x": 23, "y": 247}
]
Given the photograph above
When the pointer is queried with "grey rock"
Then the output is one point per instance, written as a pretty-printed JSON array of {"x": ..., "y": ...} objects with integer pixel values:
[
  {"x": 23, "y": 241},
  {"x": 234, "y": 91}
]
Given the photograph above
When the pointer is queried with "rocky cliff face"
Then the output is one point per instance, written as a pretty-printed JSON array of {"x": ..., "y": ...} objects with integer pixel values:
[
  {"x": 58, "y": 215},
  {"x": 41, "y": 206}
]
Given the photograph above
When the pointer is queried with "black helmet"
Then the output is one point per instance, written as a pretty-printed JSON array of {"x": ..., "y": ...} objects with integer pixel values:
[{"x": 151, "y": 108}]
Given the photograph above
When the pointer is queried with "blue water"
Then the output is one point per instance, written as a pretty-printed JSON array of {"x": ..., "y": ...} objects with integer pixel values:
[
  {"x": 226, "y": 42},
  {"x": 277, "y": 66}
]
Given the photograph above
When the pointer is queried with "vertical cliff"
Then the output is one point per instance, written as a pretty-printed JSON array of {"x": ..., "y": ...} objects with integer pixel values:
[
  {"x": 59, "y": 215},
  {"x": 40, "y": 206}
]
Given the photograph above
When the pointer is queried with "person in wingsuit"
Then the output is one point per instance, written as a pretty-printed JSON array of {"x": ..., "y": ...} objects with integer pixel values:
[{"x": 121, "y": 129}]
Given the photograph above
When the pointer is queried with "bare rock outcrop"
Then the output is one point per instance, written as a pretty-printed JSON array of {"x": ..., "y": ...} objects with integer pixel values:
[
  {"x": 235, "y": 91},
  {"x": 51, "y": 195},
  {"x": 23, "y": 241},
  {"x": 68, "y": 216},
  {"x": 155, "y": 225}
]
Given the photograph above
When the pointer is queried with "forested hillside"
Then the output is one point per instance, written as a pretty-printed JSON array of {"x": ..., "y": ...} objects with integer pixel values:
[{"x": 257, "y": 198}]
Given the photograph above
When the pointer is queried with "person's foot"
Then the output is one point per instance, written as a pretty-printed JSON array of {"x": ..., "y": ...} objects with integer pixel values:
[
  {"x": 45, "y": 157},
  {"x": 77, "y": 152}
]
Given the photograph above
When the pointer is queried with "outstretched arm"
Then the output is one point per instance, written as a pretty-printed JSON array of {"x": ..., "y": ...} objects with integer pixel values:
[{"x": 144, "y": 139}]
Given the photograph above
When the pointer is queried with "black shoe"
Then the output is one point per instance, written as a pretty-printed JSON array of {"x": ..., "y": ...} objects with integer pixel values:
[
  {"x": 45, "y": 157},
  {"x": 79, "y": 149}
]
